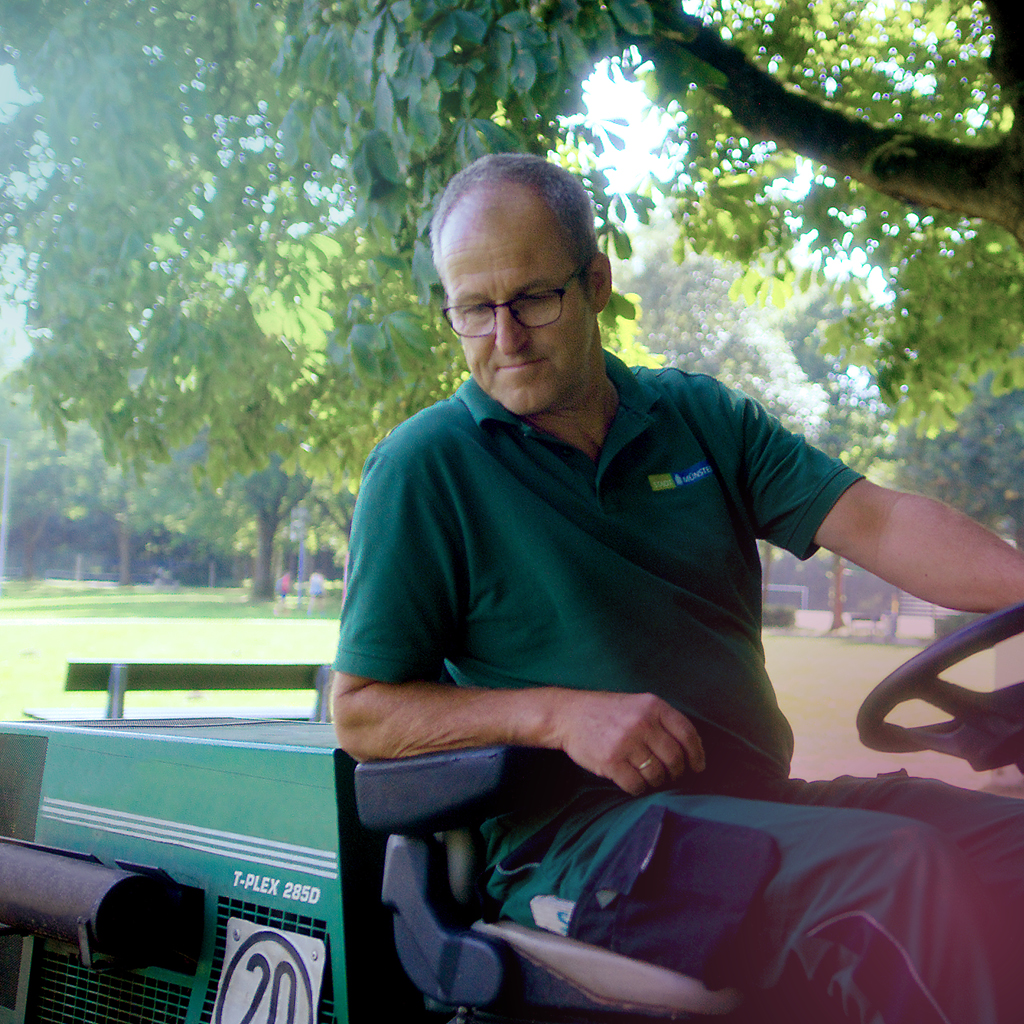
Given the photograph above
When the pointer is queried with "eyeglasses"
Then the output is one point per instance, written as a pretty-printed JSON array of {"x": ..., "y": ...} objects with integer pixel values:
[{"x": 537, "y": 310}]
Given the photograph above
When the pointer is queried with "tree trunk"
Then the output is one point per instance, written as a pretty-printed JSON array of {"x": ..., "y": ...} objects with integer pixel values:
[
  {"x": 838, "y": 601},
  {"x": 28, "y": 552},
  {"x": 767, "y": 559},
  {"x": 124, "y": 551},
  {"x": 262, "y": 573}
]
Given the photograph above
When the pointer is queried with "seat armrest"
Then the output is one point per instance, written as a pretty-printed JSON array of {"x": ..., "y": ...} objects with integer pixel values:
[{"x": 456, "y": 789}]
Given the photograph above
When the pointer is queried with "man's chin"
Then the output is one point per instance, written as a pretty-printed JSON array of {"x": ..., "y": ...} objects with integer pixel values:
[{"x": 521, "y": 401}]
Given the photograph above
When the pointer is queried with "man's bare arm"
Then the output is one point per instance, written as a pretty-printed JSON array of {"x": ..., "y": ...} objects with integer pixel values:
[
  {"x": 635, "y": 740},
  {"x": 924, "y": 547}
]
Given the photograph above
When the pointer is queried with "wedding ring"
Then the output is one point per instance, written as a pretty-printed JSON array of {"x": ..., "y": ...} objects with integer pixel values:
[{"x": 646, "y": 764}]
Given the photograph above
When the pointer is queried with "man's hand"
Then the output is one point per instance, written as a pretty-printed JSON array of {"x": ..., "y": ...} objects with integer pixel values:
[{"x": 636, "y": 740}]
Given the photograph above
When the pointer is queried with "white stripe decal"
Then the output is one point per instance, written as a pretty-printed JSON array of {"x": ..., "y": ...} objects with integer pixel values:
[{"x": 232, "y": 845}]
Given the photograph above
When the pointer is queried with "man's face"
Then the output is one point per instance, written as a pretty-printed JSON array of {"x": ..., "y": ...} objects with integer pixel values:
[{"x": 497, "y": 246}]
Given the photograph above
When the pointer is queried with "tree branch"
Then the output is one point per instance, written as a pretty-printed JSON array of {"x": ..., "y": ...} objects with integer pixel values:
[{"x": 975, "y": 181}]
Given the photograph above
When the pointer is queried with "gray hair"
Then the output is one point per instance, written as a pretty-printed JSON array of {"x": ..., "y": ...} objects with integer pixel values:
[{"x": 563, "y": 193}]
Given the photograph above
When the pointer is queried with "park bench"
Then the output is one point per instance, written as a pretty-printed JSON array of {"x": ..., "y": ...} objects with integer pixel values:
[{"x": 118, "y": 677}]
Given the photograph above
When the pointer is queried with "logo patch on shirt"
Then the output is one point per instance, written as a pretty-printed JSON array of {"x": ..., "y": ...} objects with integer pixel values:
[{"x": 669, "y": 481}]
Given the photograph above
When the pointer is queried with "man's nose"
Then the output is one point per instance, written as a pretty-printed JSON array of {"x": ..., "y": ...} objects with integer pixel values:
[{"x": 509, "y": 335}]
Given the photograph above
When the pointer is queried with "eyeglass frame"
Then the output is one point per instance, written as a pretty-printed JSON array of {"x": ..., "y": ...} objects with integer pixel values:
[{"x": 510, "y": 305}]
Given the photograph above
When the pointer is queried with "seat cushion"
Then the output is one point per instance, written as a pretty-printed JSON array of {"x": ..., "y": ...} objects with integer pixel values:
[{"x": 610, "y": 979}]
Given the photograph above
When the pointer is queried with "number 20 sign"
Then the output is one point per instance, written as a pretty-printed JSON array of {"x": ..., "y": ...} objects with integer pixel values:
[{"x": 269, "y": 976}]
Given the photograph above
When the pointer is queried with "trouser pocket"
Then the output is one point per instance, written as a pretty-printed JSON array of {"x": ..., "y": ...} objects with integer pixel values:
[{"x": 674, "y": 892}]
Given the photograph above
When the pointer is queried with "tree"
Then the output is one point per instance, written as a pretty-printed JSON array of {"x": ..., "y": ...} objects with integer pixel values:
[
  {"x": 978, "y": 467},
  {"x": 272, "y": 494},
  {"x": 690, "y": 317},
  {"x": 182, "y": 283},
  {"x": 776, "y": 355},
  {"x": 68, "y": 500},
  {"x": 209, "y": 245},
  {"x": 46, "y": 484},
  {"x": 905, "y": 113},
  {"x": 856, "y": 424}
]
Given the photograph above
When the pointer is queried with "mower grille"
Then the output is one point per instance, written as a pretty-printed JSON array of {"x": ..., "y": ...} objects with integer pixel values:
[{"x": 65, "y": 992}]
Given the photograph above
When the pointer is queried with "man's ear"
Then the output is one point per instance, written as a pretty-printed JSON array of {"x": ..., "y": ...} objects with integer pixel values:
[{"x": 597, "y": 281}]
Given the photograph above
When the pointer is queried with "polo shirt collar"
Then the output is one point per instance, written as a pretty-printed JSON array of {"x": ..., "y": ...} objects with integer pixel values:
[{"x": 633, "y": 398}]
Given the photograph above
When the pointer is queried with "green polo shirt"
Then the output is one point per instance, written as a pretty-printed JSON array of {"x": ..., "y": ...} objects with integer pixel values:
[{"x": 488, "y": 553}]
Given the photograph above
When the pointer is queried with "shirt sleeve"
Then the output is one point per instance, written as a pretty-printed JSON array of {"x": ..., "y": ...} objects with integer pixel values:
[
  {"x": 785, "y": 485},
  {"x": 792, "y": 485},
  {"x": 402, "y": 600}
]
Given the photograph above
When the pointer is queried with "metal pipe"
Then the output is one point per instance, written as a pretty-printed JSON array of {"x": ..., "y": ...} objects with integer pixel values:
[{"x": 111, "y": 912}]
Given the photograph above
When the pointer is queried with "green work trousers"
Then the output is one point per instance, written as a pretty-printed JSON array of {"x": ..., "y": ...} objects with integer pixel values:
[{"x": 883, "y": 901}]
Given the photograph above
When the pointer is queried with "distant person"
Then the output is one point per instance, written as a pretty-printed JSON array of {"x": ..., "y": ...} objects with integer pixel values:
[
  {"x": 283, "y": 588},
  {"x": 316, "y": 590}
]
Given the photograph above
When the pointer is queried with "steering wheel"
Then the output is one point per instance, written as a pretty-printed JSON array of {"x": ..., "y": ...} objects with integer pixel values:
[{"x": 986, "y": 730}]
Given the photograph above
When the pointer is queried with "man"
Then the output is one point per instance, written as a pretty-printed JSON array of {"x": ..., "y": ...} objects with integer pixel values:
[{"x": 574, "y": 545}]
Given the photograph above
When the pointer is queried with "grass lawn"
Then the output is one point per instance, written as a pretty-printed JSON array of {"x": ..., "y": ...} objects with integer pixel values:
[
  {"x": 820, "y": 680},
  {"x": 43, "y": 625}
]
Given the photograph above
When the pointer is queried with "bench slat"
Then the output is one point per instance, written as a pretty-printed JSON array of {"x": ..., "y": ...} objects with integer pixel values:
[
  {"x": 118, "y": 677},
  {"x": 95, "y": 676}
]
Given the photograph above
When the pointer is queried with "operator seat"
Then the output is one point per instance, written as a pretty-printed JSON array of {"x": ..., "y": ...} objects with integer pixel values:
[{"x": 502, "y": 968}]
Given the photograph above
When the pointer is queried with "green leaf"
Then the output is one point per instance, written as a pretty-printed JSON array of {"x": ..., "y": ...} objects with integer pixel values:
[
  {"x": 363, "y": 50},
  {"x": 409, "y": 330},
  {"x": 423, "y": 271},
  {"x": 421, "y": 61},
  {"x": 442, "y": 38},
  {"x": 293, "y": 132},
  {"x": 618, "y": 307},
  {"x": 423, "y": 116},
  {"x": 501, "y": 62},
  {"x": 499, "y": 139},
  {"x": 384, "y": 104},
  {"x": 324, "y": 137},
  {"x": 381, "y": 157},
  {"x": 623, "y": 246},
  {"x": 519, "y": 23},
  {"x": 523, "y": 72},
  {"x": 574, "y": 53},
  {"x": 285, "y": 55},
  {"x": 366, "y": 342},
  {"x": 344, "y": 108},
  {"x": 447, "y": 74},
  {"x": 633, "y": 16},
  {"x": 312, "y": 61},
  {"x": 390, "y": 49},
  {"x": 248, "y": 27},
  {"x": 470, "y": 27}
]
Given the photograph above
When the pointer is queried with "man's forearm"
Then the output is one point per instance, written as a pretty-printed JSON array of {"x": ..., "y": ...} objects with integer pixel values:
[
  {"x": 925, "y": 548},
  {"x": 375, "y": 720},
  {"x": 956, "y": 562}
]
